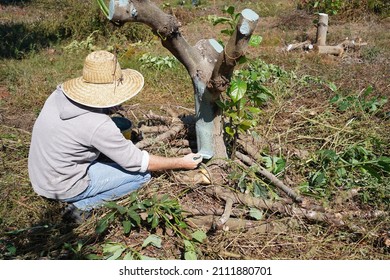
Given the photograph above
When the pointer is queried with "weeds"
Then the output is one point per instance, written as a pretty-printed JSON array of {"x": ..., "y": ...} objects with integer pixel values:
[
  {"x": 158, "y": 62},
  {"x": 151, "y": 213},
  {"x": 346, "y": 8},
  {"x": 362, "y": 102},
  {"x": 354, "y": 167}
]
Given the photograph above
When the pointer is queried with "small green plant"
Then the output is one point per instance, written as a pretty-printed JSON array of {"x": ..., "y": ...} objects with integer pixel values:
[
  {"x": 149, "y": 213},
  {"x": 7, "y": 249},
  {"x": 235, "y": 107},
  {"x": 247, "y": 94},
  {"x": 361, "y": 102},
  {"x": 331, "y": 7},
  {"x": 356, "y": 166},
  {"x": 87, "y": 44},
  {"x": 158, "y": 62}
]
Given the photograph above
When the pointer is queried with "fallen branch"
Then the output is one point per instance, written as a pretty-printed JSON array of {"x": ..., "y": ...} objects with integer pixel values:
[
  {"x": 307, "y": 45},
  {"x": 176, "y": 128},
  {"x": 153, "y": 129},
  {"x": 226, "y": 214},
  {"x": 208, "y": 223},
  {"x": 275, "y": 206},
  {"x": 271, "y": 177}
]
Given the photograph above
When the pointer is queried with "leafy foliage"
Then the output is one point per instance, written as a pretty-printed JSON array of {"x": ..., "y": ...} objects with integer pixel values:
[
  {"x": 158, "y": 62},
  {"x": 361, "y": 102},
  {"x": 151, "y": 213},
  {"x": 334, "y": 7},
  {"x": 353, "y": 167}
]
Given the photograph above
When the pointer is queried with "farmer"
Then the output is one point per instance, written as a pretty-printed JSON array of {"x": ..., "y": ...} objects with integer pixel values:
[{"x": 72, "y": 130}]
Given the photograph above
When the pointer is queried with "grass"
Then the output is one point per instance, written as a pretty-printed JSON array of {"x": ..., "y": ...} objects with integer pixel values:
[{"x": 299, "y": 123}]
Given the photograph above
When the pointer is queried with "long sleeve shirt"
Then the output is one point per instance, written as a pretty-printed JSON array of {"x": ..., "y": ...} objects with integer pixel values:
[{"x": 66, "y": 139}]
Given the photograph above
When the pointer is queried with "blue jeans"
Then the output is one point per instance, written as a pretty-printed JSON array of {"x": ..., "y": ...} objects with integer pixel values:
[{"x": 108, "y": 181}]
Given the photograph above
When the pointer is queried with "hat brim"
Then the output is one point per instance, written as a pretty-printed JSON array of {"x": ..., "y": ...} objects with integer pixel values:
[{"x": 104, "y": 95}]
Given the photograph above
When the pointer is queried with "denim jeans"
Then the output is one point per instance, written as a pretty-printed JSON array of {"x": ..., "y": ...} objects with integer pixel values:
[{"x": 108, "y": 181}]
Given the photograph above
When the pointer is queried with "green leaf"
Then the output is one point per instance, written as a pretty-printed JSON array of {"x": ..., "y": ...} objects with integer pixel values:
[
  {"x": 254, "y": 110},
  {"x": 114, "y": 205},
  {"x": 221, "y": 104},
  {"x": 190, "y": 256},
  {"x": 229, "y": 10},
  {"x": 384, "y": 163},
  {"x": 199, "y": 236},
  {"x": 220, "y": 20},
  {"x": 126, "y": 226},
  {"x": 103, "y": 224},
  {"x": 255, "y": 40},
  {"x": 246, "y": 124},
  {"x": 335, "y": 98},
  {"x": 189, "y": 249},
  {"x": 155, "y": 221},
  {"x": 341, "y": 172},
  {"x": 114, "y": 250},
  {"x": 227, "y": 31},
  {"x": 371, "y": 170},
  {"x": 152, "y": 240},
  {"x": 135, "y": 216},
  {"x": 332, "y": 87},
  {"x": 128, "y": 256},
  {"x": 237, "y": 90},
  {"x": 318, "y": 179},
  {"x": 255, "y": 213},
  {"x": 280, "y": 164},
  {"x": 230, "y": 131},
  {"x": 368, "y": 90}
]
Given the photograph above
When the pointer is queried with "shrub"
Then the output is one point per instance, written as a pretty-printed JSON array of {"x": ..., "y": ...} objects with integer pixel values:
[{"x": 347, "y": 8}]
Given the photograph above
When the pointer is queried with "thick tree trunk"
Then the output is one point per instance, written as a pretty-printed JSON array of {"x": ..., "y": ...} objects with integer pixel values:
[{"x": 208, "y": 63}]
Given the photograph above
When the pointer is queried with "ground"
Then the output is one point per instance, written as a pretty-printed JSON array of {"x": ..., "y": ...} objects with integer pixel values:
[{"x": 296, "y": 125}]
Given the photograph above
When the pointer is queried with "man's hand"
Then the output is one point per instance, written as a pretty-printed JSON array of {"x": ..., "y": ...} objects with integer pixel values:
[
  {"x": 191, "y": 161},
  {"x": 158, "y": 163}
]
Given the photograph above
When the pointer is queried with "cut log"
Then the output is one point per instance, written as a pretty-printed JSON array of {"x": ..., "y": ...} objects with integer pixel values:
[{"x": 335, "y": 50}]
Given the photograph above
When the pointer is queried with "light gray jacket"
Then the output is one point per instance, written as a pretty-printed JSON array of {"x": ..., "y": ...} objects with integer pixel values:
[{"x": 66, "y": 139}]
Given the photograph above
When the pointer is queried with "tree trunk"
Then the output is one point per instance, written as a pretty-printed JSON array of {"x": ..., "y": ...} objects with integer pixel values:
[
  {"x": 208, "y": 63},
  {"x": 322, "y": 29}
]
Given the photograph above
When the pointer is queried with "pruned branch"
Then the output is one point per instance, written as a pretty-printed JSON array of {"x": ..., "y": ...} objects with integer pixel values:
[
  {"x": 269, "y": 176},
  {"x": 234, "y": 50}
]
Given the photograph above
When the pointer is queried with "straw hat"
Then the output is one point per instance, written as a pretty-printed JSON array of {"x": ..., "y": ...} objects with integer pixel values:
[{"x": 103, "y": 84}]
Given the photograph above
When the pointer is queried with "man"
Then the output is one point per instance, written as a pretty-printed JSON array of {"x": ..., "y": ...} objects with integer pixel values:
[{"x": 72, "y": 130}]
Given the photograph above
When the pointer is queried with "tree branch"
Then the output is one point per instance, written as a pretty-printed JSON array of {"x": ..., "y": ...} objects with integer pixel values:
[
  {"x": 234, "y": 50},
  {"x": 163, "y": 25}
]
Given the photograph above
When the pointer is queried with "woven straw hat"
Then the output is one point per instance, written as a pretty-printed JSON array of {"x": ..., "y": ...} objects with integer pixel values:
[{"x": 103, "y": 84}]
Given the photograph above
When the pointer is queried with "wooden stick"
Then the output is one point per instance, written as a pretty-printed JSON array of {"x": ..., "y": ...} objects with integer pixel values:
[{"x": 271, "y": 177}]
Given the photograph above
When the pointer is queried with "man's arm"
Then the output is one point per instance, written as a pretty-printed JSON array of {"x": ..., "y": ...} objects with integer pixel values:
[{"x": 190, "y": 161}]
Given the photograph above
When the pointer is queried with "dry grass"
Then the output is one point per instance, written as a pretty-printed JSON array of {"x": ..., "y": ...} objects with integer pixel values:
[{"x": 296, "y": 125}]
